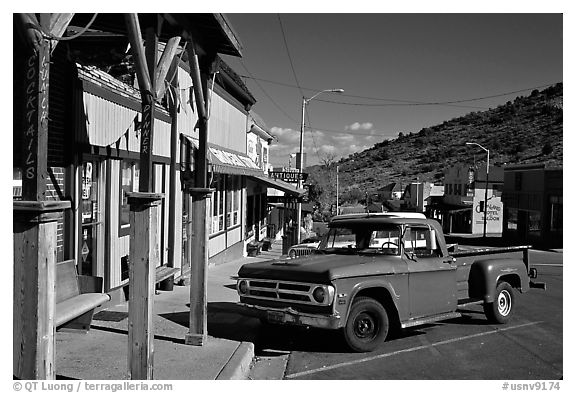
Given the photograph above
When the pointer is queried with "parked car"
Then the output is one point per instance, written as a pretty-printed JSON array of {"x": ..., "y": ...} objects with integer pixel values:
[
  {"x": 373, "y": 273},
  {"x": 305, "y": 248}
]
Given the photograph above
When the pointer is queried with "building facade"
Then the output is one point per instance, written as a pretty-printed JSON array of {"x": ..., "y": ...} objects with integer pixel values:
[
  {"x": 467, "y": 193},
  {"x": 94, "y": 145},
  {"x": 533, "y": 204}
]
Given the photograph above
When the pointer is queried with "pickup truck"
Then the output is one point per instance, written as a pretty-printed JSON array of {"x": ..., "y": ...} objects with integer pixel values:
[{"x": 373, "y": 273}]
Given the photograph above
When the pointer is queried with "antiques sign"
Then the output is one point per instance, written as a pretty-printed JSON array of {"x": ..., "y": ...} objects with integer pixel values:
[{"x": 289, "y": 177}]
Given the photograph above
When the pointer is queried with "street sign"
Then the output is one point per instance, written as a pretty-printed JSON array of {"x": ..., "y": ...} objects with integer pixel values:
[{"x": 289, "y": 177}]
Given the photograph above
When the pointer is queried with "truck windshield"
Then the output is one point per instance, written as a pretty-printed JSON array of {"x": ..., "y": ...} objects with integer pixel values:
[{"x": 382, "y": 239}]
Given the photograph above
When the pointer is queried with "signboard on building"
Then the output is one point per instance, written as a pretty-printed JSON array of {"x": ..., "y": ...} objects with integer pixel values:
[
  {"x": 288, "y": 177},
  {"x": 494, "y": 213}
]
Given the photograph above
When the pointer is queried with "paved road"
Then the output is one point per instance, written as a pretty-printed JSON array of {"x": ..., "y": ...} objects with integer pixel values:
[{"x": 529, "y": 347}]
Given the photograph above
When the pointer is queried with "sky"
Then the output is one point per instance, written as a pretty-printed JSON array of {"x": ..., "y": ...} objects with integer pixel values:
[{"x": 388, "y": 66}]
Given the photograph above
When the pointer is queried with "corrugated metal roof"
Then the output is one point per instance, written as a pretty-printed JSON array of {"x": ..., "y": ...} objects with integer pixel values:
[{"x": 101, "y": 78}]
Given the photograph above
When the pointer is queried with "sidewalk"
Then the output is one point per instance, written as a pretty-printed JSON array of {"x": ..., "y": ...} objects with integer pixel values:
[{"x": 102, "y": 353}]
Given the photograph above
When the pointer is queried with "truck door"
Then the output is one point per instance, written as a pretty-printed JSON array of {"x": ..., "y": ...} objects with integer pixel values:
[{"x": 431, "y": 275}]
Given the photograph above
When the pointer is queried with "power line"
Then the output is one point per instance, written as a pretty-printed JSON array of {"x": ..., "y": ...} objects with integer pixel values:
[
  {"x": 297, "y": 84},
  {"x": 267, "y": 95},
  {"x": 362, "y": 97},
  {"x": 406, "y": 102}
]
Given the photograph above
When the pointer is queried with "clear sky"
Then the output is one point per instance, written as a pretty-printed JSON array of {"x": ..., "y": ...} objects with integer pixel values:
[{"x": 388, "y": 64}]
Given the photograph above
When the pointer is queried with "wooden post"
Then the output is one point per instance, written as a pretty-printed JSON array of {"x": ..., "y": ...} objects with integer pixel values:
[
  {"x": 173, "y": 106},
  {"x": 144, "y": 252},
  {"x": 35, "y": 219},
  {"x": 198, "y": 321},
  {"x": 35, "y": 225},
  {"x": 197, "y": 333}
]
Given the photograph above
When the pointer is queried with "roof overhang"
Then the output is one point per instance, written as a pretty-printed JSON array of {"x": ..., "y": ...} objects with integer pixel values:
[{"x": 278, "y": 184}]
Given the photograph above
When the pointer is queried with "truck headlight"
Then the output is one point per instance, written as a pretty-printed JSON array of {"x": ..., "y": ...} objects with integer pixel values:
[
  {"x": 242, "y": 287},
  {"x": 323, "y": 294},
  {"x": 319, "y": 294}
]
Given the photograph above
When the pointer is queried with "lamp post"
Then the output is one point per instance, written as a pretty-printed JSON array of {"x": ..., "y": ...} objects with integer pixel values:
[
  {"x": 485, "y": 188},
  {"x": 305, "y": 101},
  {"x": 337, "y": 168}
]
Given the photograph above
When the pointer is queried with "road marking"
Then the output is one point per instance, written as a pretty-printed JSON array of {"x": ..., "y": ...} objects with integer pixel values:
[{"x": 385, "y": 355}]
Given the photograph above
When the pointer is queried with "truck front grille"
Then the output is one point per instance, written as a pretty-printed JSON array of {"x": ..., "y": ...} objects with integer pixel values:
[{"x": 282, "y": 291}]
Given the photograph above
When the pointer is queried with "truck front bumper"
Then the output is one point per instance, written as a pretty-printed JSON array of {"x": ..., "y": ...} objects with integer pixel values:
[{"x": 289, "y": 316}]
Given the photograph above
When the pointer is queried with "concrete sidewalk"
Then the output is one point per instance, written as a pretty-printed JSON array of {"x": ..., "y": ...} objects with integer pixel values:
[{"x": 102, "y": 353}]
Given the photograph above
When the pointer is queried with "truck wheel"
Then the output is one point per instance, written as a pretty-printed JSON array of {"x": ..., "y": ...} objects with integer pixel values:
[
  {"x": 367, "y": 325},
  {"x": 501, "y": 309}
]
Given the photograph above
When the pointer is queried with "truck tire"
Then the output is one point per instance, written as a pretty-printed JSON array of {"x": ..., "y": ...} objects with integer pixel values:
[
  {"x": 501, "y": 309},
  {"x": 367, "y": 325}
]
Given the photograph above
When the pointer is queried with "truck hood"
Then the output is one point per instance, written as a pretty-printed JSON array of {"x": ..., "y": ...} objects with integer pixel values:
[{"x": 322, "y": 268}]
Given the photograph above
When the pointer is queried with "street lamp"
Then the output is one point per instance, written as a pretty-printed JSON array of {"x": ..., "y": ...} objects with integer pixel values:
[
  {"x": 485, "y": 188},
  {"x": 337, "y": 168},
  {"x": 300, "y": 160}
]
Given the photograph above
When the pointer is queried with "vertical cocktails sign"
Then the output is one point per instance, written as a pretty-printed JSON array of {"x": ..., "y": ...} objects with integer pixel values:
[{"x": 36, "y": 124}]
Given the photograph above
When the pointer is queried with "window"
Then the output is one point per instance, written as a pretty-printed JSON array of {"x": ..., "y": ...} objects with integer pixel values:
[
  {"x": 341, "y": 238},
  {"x": 555, "y": 214},
  {"x": 421, "y": 241},
  {"x": 17, "y": 184},
  {"x": 450, "y": 188},
  {"x": 512, "y": 221},
  {"x": 225, "y": 203},
  {"x": 534, "y": 223},
  {"x": 129, "y": 182},
  {"x": 218, "y": 205},
  {"x": 232, "y": 201}
]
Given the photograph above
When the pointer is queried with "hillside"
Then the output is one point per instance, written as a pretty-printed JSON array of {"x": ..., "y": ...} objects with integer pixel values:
[{"x": 526, "y": 130}]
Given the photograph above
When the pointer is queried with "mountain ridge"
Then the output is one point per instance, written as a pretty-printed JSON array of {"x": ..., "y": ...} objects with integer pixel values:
[{"x": 528, "y": 129}]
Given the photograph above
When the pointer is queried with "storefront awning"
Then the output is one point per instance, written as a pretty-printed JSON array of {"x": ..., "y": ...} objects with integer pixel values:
[
  {"x": 224, "y": 161},
  {"x": 278, "y": 184}
]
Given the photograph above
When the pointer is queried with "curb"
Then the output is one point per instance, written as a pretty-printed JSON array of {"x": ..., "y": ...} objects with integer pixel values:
[{"x": 238, "y": 366}]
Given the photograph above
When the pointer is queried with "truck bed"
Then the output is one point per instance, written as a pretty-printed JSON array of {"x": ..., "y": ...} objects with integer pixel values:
[{"x": 465, "y": 259}]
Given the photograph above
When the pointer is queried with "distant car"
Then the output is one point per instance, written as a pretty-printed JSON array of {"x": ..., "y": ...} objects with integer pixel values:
[{"x": 307, "y": 246}]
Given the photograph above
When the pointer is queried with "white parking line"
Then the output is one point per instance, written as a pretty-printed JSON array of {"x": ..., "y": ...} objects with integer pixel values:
[{"x": 385, "y": 355}]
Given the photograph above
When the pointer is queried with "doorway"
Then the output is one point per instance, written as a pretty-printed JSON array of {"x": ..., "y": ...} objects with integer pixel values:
[{"x": 90, "y": 248}]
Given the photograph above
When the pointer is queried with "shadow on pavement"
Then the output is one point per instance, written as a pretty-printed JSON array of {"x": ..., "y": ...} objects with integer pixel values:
[{"x": 224, "y": 321}]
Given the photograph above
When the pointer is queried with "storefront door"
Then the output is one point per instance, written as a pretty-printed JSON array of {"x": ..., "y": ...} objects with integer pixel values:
[{"x": 91, "y": 232}]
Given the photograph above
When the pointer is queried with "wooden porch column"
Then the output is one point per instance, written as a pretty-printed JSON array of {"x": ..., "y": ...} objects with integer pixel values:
[
  {"x": 34, "y": 218},
  {"x": 35, "y": 225},
  {"x": 144, "y": 253},
  {"x": 198, "y": 320},
  {"x": 197, "y": 333}
]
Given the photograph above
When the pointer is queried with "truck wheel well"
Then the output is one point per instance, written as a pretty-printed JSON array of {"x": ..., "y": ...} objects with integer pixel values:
[
  {"x": 382, "y": 296},
  {"x": 511, "y": 279}
]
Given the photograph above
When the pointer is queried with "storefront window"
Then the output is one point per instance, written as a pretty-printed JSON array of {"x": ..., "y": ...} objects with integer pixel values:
[
  {"x": 555, "y": 213},
  {"x": 534, "y": 223},
  {"x": 17, "y": 184},
  {"x": 512, "y": 221},
  {"x": 129, "y": 182},
  {"x": 225, "y": 203}
]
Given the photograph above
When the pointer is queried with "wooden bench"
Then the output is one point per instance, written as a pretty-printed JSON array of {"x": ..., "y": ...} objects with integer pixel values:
[{"x": 76, "y": 297}]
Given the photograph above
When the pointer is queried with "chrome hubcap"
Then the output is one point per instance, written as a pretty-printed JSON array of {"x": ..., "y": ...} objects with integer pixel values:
[{"x": 504, "y": 303}]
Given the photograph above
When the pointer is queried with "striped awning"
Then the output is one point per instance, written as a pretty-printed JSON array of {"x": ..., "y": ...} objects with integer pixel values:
[{"x": 222, "y": 160}]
